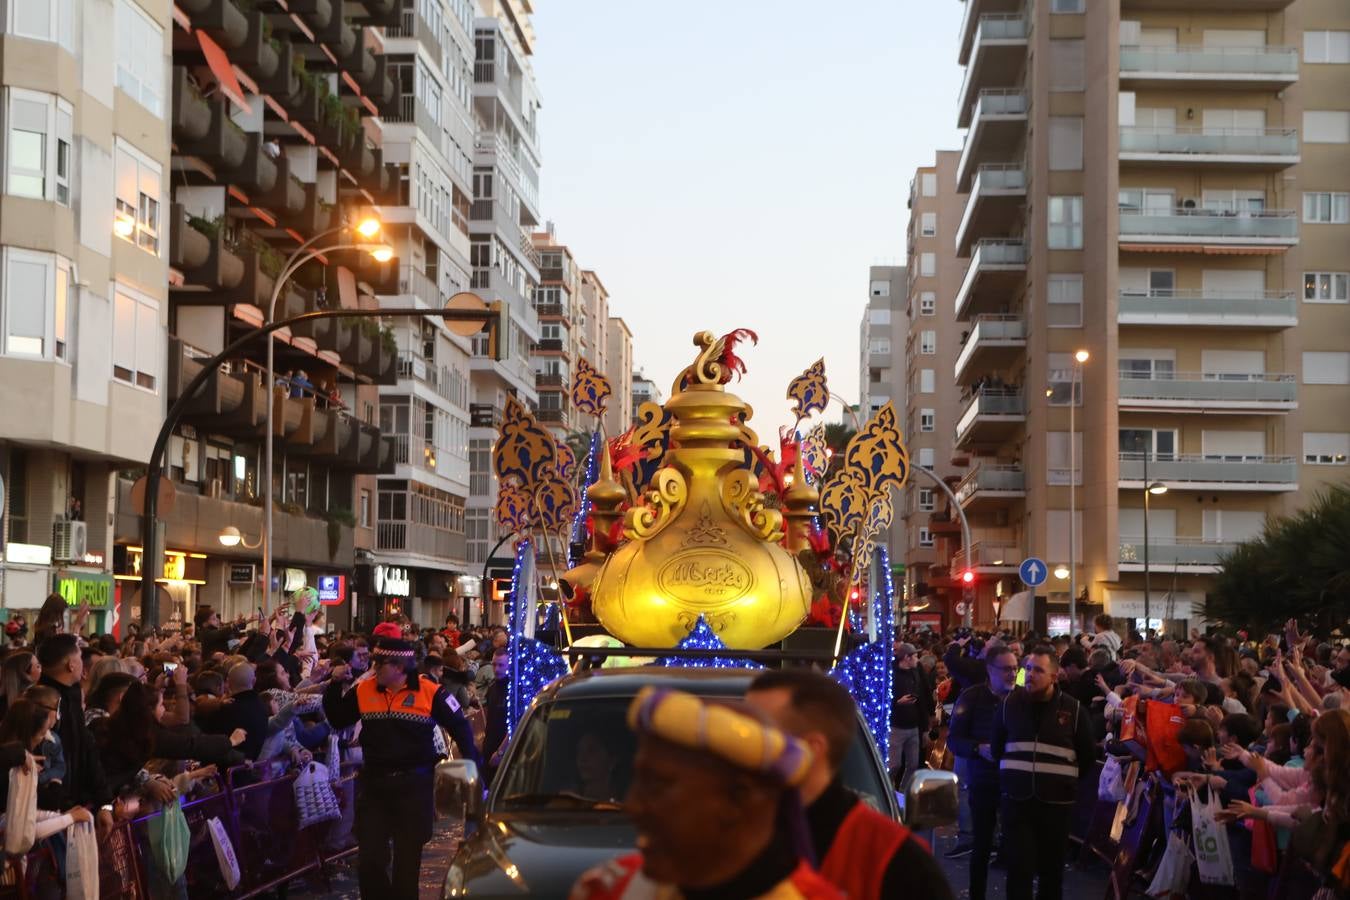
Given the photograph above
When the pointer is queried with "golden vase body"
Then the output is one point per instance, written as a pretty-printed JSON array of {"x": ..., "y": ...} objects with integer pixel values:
[{"x": 702, "y": 543}]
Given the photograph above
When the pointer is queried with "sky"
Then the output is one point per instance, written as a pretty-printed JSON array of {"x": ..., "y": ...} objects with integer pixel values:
[{"x": 741, "y": 165}]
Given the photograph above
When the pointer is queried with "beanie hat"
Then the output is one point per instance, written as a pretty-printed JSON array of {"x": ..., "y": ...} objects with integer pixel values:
[
  {"x": 389, "y": 650},
  {"x": 387, "y": 630}
]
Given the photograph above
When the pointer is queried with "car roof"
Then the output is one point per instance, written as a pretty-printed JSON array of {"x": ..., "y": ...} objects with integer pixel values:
[{"x": 626, "y": 682}]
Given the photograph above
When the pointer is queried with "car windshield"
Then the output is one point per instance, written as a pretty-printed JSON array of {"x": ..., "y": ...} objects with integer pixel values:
[{"x": 578, "y": 754}]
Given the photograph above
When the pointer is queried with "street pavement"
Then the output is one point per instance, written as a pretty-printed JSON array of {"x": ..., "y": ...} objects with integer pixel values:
[
  {"x": 435, "y": 861},
  {"x": 1087, "y": 880}
]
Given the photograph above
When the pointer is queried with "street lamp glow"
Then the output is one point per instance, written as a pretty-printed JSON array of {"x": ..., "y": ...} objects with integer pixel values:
[
  {"x": 230, "y": 536},
  {"x": 123, "y": 225},
  {"x": 382, "y": 254},
  {"x": 1061, "y": 572},
  {"x": 1157, "y": 487},
  {"x": 1081, "y": 356},
  {"x": 368, "y": 227}
]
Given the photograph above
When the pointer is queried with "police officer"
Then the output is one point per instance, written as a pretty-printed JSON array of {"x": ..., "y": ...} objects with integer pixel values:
[
  {"x": 1043, "y": 744},
  {"x": 970, "y": 739},
  {"x": 399, "y": 711}
]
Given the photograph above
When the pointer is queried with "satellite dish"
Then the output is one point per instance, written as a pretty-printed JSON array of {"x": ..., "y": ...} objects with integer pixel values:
[{"x": 469, "y": 302}]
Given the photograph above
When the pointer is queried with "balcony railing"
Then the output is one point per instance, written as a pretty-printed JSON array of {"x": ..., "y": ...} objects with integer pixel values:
[
  {"x": 992, "y": 181},
  {"x": 1179, "y": 551},
  {"x": 1202, "y": 225},
  {"x": 1006, "y": 30},
  {"x": 1245, "y": 142},
  {"x": 1002, "y": 402},
  {"x": 1209, "y": 307},
  {"x": 420, "y": 285},
  {"x": 549, "y": 310},
  {"x": 1254, "y": 389},
  {"x": 1199, "y": 60},
  {"x": 549, "y": 345},
  {"x": 1003, "y": 553},
  {"x": 994, "y": 478},
  {"x": 485, "y": 415},
  {"x": 1235, "y": 470},
  {"x": 549, "y": 380},
  {"x": 416, "y": 537},
  {"x": 1004, "y": 331}
]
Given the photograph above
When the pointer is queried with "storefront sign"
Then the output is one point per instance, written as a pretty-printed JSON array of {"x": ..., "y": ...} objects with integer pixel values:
[
  {"x": 332, "y": 589},
  {"x": 929, "y": 621},
  {"x": 28, "y": 554},
  {"x": 179, "y": 565},
  {"x": 92, "y": 558},
  {"x": 94, "y": 591},
  {"x": 241, "y": 573},
  {"x": 392, "y": 581}
]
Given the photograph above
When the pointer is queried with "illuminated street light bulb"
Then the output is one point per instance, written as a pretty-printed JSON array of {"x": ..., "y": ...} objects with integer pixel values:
[
  {"x": 230, "y": 536},
  {"x": 123, "y": 225},
  {"x": 1157, "y": 487},
  {"x": 382, "y": 254},
  {"x": 1081, "y": 356},
  {"x": 1061, "y": 572},
  {"x": 368, "y": 227}
]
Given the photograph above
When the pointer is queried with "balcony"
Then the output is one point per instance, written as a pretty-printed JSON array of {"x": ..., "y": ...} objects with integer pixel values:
[
  {"x": 549, "y": 311},
  {"x": 988, "y": 484},
  {"x": 485, "y": 415},
  {"x": 993, "y": 344},
  {"x": 1261, "y": 310},
  {"x": 1195, "y": 66},
  {"x": 992, "y": 415},
  {"x": 1208, "y": 230},
  {"x": 1208, "y": 5},
  {"x": 995, "y": 57},
  {"x": 997, "y": 196},
  {"x": 1190, "y": 556},
  {"x": 996, "y": 272},
  {"x": 1211, "y": 472},
  {"x": 1256, "y": 149},
  {"x": 492, "y": 149},
  {"x": 549, "y": 380},
  {"x": 420, "y": 540},
  {"x": 997, "y": 125},
  {"x": 553, "y": 416},
  {"x": 991, "y": 556},
  {"x": 412, "y": 25},
  {"x": 1186, "y": 392}
]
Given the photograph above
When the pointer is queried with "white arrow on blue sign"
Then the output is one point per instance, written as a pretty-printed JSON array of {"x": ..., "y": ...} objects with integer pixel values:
[{"x": 1032, "y": 571}]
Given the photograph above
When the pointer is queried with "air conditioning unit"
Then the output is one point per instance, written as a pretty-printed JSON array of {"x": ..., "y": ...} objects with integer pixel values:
[{"x": 70, "y": 541}]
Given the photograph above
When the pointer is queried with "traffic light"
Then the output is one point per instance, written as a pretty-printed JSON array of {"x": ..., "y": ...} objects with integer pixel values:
[
  {"x": 968, "y": 578},
  {"x": 499, "y": 330}
]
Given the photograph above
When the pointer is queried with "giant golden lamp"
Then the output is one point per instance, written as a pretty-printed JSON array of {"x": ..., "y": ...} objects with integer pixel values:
[{"x": 702, "y": 543}]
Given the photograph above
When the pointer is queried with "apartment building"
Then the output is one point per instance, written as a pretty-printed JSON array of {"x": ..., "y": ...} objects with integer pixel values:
[
  {"x": 430, "y": 136},
  {"x": 881, "y": 345},
  {"x": 84, "y": 305},
  {"x": 503, "y": 263},
  {"x": 557, "y": 303},
  {"x": 933, "y": 342},
  {"x": 619, "y": 371},
  {"x": 645, "y": 390},
  {"x": 1173, "y": 172}
]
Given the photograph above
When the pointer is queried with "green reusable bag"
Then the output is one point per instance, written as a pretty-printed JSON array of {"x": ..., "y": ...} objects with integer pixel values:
[{"x": 169, "y": 841}]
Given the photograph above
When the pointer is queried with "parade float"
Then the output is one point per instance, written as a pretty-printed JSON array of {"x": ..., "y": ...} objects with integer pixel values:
[{"x": 685, "y": 541}]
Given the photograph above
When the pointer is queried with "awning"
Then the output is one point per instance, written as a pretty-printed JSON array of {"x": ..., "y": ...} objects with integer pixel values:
[
  {"x": 1205, "y": 249},
  {"x": 221, "y": 68},
  {"x": 1016, "y": 608}
]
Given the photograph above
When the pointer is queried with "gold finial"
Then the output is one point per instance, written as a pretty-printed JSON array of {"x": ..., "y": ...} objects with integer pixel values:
[{"x": 799, "y": 504}]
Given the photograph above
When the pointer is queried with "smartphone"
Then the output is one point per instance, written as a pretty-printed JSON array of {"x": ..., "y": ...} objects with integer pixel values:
[{"x": 169, "y": 667}]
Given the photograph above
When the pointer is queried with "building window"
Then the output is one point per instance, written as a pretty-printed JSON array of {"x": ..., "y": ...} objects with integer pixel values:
[
  {"x": 363, "y": 509},
  {"x": 140, "y": 56},
  {"x": 1322, "y": 448},
  {"x": 879, "y": 316},
  {"x": 925, "y": 537},
  {"x": 43, "y": 20},
  {"x": 1326, "y": 367},
  {"x": 926, "y": 457},
  {"x": 928, "y": 264},
  {"x": 1066, "y": 65},
  {"x": 927, "y": 381},
  {"x": 928, "y": 303},
  {"x": 1060, "y": 467},
  {"x": 38, "y": 146},
  {"x": 928, "y": 342},
  {"x": 1064, "y": 301},
  {"x": 928, "y": 224},
  {"x": 1060, "y": 379},
  {"x": 1066, "y": 6},
  {"x": 1326, "y": 207},
  {"x": 1066, "y": 143},
  {"x": 1326, "y": 46},
  {"x": 138, "y": 192},
  {"x": 1326, "y": 287},
  {"x": 1066, "y": 223},
  {"x": 929, "y": 184},
  {"x": 927, "y": 420},
  {"x": 35, "y": 309},
  {"x": 881, "y": 289},
  {"x": 927, "y": 503},
  {"x": 879, "y": 345},
  {"x": 1326, "y": 126},
  {"x": 137, "y": 339}
]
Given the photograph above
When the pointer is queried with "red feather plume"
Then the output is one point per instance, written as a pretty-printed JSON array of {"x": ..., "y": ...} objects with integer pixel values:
[{"x": 730, "y": 361}]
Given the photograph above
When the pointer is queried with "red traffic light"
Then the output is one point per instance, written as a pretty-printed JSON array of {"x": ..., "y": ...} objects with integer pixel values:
[{"x": 967, "y": 577}]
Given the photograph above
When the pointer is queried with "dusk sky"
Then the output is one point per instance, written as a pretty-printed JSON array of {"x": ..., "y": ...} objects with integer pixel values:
[{"x": 741, "y": 165}]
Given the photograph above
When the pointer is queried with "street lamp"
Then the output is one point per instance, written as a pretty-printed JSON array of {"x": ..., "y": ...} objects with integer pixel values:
[
  {"x": 232, "y": 537},
  {"x": 366, "y": 227},
  {"x": 1079, "y": 358},
  {"x": 1150, "y": 488},
  {"x": 1061, "y": 571}
]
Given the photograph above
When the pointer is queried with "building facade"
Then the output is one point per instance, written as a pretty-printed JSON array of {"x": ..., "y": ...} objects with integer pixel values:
[
  {"x": 1155, "y": 290},
  {"x": 881, "y": 341},
  {"x": 84, "y": 273},
  {"x": 619, "y": 370}
]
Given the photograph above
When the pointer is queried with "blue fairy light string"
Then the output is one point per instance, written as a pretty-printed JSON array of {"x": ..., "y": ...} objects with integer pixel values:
[
  {"x": 702, "y": 637},
  {"x": 578, "y": 534},
  {"x": 866, "y": 671},
  {"x": 516, "y": 622}
]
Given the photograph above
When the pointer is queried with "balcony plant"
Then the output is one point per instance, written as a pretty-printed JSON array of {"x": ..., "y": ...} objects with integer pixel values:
[
  {"x": 208, "y": 227},
  {"x": 337, "y": 519}
]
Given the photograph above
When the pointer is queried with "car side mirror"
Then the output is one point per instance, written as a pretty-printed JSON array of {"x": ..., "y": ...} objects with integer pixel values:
[
  {"x": 931, "y": 800},
  {"x": 457, "y": 789}
]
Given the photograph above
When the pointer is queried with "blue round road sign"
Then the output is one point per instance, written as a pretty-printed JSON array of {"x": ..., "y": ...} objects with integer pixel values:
[{"x": 1032, "y": 571}]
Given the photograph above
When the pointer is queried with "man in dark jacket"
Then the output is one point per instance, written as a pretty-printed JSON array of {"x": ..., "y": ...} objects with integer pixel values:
[
  {"x": 1043, "y": 745},
  {"x": 911, "y": 714},
  {"x": 970, "y": 739},
  {"x": 244, "y": 708},
  {"x": 214, "y": 637},
  {"x": 494, "y": 707},
  {"x": 84, "y": 784},
  {"x": 967, "y": 670}
]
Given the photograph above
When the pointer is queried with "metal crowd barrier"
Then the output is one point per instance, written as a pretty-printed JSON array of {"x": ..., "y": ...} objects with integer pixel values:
[{"x": 255, "y": 803}]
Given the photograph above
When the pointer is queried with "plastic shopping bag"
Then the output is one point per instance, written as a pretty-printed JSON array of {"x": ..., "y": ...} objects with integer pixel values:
[
  {"x": 1213, "y": 857},
  {"x": 314, "y": 797},
  {"x": 1174, "y": 872},
  {"x": 169, "y": 841},
  {"x": 21, "y": 810},
  {"x": 81, "y": 862},
  {"x": 225, "y": 856},
  {"x": 333, "y": 759},
  {"x": 1130, "y": 718},
  {"x": 1111, "y": 784},
  {"x": 1163, "y": 723}
]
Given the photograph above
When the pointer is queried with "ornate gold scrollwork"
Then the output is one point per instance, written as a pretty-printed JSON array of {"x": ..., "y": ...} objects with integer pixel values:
[
  {"x": 662, "y": 504},
  {"x": 745, "y": 504}
]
